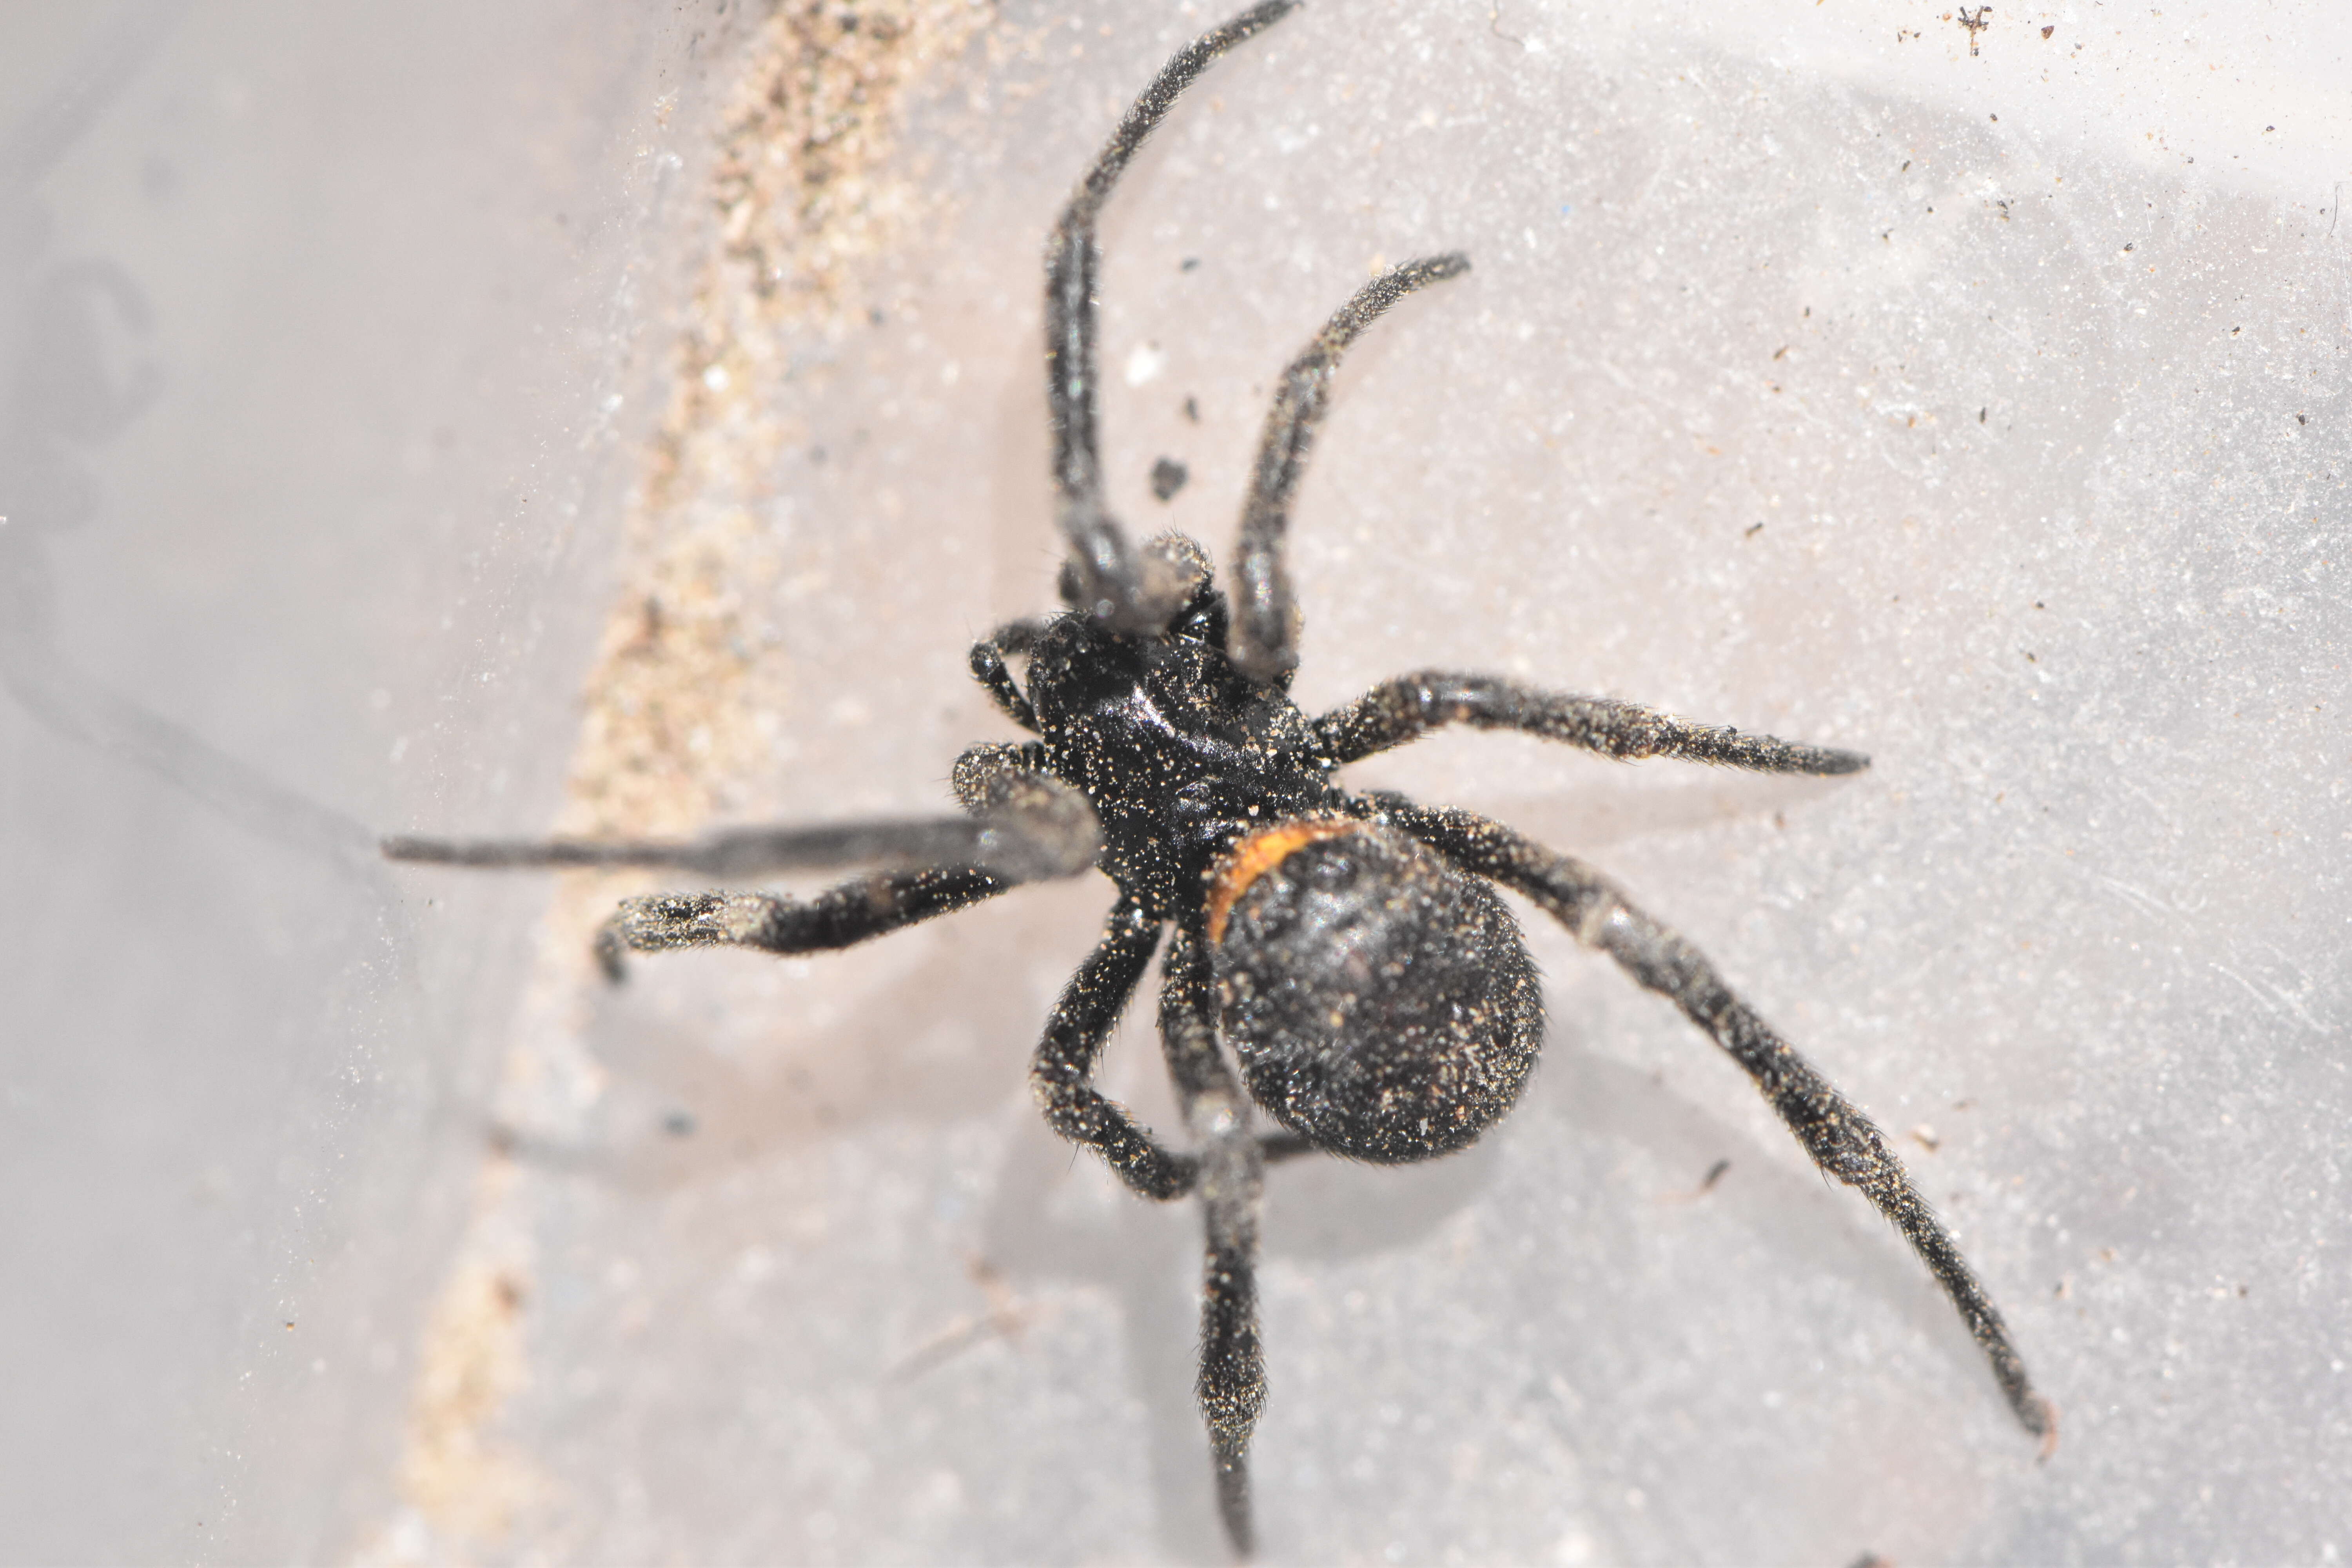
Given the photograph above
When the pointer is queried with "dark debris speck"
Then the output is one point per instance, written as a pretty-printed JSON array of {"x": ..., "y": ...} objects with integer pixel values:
[{"x": 1167, "y": 477}]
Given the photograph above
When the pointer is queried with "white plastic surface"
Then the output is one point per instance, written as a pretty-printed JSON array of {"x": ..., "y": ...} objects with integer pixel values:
[{"x": 309, "y": 324}]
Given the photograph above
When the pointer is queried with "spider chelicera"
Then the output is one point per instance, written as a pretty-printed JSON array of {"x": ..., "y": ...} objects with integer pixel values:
[{"x": 1347, "y": 952}]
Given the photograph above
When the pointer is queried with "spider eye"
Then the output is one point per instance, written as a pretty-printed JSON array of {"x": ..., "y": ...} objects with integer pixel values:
[{"x": 1381, "y": 1003}]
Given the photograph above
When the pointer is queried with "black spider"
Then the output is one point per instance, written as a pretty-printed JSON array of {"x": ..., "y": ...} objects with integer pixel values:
[{"x": 1346, "y": 948}]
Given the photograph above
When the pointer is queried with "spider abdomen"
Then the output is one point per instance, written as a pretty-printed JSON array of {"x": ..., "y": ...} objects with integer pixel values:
[{"x": 1381, "y": 1004}]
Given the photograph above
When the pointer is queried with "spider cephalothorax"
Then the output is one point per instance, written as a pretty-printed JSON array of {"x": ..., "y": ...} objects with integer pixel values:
[{"x": 1341, "y": 962}]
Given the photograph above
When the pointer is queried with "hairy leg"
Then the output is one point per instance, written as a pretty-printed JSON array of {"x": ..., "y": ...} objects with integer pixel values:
[
  {"x": 1263, "y": 642},
  {"x": 988, "y": 667},
  {"x": 860, "y": 908},
  {"x": 1404, "y": 709},
  {"x": 1024, "y": 826},
  {"x": 1231, "y": 1386},
  {"x": 1842, "y": 1141},
  {"x": 1106, "y": 576},
  {"x": 1062, "y": 1073}
]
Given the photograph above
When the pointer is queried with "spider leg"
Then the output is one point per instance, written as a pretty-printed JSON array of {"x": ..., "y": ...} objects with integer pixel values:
[
  {"x": 988, "y": 668},
  {"x": 1842, "y": 1141},
  {"x": 1024, "y": 826},
  {"x": 1263, "y": 641},
  {"x": 1409, "y": 706},
  {"x": 1061, "y": 1075},
  {"x": 1106, "y": 576},
  {"x": 1020, "y": 636},
  {"x": 842, "y": 916},
  {"x": 1232, "y": 1387}
]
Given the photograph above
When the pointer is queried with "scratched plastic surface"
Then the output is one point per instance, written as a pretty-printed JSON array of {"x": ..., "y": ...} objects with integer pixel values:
[{"x": 1983, "y": 411}]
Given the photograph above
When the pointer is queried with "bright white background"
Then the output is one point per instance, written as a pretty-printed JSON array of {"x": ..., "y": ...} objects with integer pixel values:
[{"x": 2032, "y": 364}]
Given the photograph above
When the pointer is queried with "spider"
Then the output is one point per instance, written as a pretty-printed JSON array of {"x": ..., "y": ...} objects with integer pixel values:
[{"x": 1340, "y": 961}]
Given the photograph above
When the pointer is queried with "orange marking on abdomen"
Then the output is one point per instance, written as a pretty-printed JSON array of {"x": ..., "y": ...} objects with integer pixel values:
[{"x": 1261, "y": 852}]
